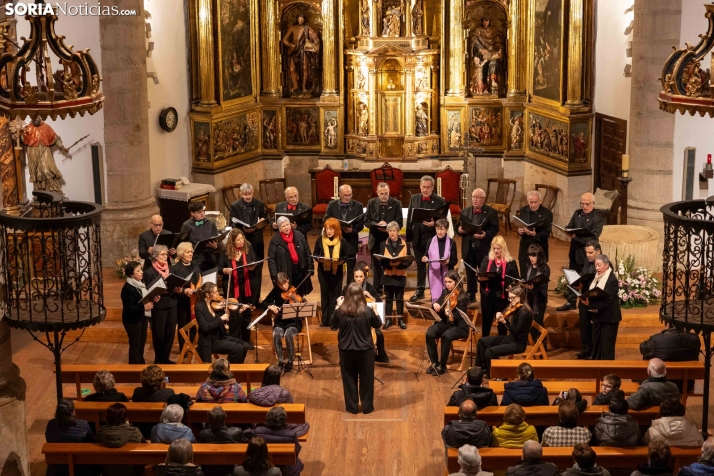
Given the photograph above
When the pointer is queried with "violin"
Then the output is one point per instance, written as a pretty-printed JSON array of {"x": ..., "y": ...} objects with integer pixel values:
[
  {"x": 451, "y": 300},
  {"x": 230, "y": 304},
  {"x": 511, "y": 310},
  {"x": 291, "y": 295}
]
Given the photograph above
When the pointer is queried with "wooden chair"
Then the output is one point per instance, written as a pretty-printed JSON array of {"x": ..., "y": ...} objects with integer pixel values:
[
  {"x": 302, "y": 337},
  {"x": 272, "y": 191},
  {"x": 323, "y": 191},
  {"x": 230, "y": 193},
  {"x": 549, "y": 194},
  {"x": 393, "y": 177},
  {"x": 537, "y": 350},
  {"x": 189, "y": 345},
  {"x": 447, "y": 187},
  {"x": 504, "y": 192}
]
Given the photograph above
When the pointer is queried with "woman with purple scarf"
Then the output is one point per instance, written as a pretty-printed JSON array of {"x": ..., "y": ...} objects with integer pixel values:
[{"x": 440, "y": 257}]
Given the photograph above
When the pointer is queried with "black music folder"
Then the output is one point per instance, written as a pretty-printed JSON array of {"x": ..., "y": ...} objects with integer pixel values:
[
  {"x": 300, "y": 218},
  {"x": 201, "y": 245}
]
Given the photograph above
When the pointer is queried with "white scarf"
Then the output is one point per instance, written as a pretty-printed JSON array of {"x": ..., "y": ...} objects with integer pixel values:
[
  {"x": 142, "y": 288},
  {"x": 601, "y": 281}
]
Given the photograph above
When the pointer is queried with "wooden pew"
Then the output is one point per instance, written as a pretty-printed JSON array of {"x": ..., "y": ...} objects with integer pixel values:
[
  {"x": 595, "y": 370},
  {"x": 548, "y": 415},
  {"x": 556, "y": 386},
  {"x": 493, "y": 459},
  {"x": 155, "y": 453},
  {"x": 177, "y": 373}
]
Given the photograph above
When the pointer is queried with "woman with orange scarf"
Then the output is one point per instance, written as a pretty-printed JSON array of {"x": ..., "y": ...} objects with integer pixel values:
[{"x": 330, "y": 273}]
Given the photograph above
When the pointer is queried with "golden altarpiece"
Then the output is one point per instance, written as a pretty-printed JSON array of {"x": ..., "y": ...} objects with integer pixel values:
[{"x": 396, "y": 80}]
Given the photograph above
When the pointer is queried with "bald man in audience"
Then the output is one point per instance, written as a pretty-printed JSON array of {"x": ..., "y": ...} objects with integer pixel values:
[
  {"x": 655, "y": 389},
  {"x": 294, "y": 206},
  {"x": 148, "y": 238},
  {"x": 467, "y": 430},
  {"x": 589, "y": 220},
  {"x": 532, "y": 463}
]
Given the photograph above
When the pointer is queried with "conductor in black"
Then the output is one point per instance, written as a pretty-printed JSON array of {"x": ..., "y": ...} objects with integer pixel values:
[
  {"x": 420, "y": 234},
  {"x": 354, "y": 321}
]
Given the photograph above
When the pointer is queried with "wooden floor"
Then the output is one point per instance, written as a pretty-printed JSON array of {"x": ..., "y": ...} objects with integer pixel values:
[{"x": 401, "y": 437}]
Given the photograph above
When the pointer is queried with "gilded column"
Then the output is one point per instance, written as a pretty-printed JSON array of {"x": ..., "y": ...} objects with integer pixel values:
[
  {"x": 329, "y": 74},
  {"x": 516, "y": 49},
  {"x": 271, "y": 44},
  {"x": 410, "y": 103},
  {"x": 205, "y": 52},
  {"x": 372, "y": 100},
  {"x": 575, "y": 54},
  {"x": 456, "y": 49}
]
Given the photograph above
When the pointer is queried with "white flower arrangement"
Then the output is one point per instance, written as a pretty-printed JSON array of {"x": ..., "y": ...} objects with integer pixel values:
[{"x": 637, "y": 286}]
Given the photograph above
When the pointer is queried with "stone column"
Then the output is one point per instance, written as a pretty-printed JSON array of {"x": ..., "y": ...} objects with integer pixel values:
[
  {"x": 456, "y": 49},
  {"x": 271, "y": 60},
  {"x": 14, "y": 454},
  {"x": 130, "y": 200},
  {"x": 205, "y": 52},
  {"x": 372, "y": 99},
  {"x": 575, "y": 54},
  {"x": 410, "y": 103},
  {"x": 651, "y": 139},
  {"x": 516, "y": 48},
  {"x": 329, "y": 62}
]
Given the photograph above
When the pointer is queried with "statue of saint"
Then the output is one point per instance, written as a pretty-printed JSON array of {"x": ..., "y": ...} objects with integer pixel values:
[
  {"x": 303, "y": 57},
  {"x": 488, "y": 48},
  {"x": 392, "y": 22},
  {"x": 202, "y": 147},
  {"x": 422, "y": 121},
  {"x": 362, "y": 119},
  {"x": 39, "y": 138},
  {"x": 331, "y": 134},
  {"x": 365, "y": 18},
  {"x": 417, "y": 16}
]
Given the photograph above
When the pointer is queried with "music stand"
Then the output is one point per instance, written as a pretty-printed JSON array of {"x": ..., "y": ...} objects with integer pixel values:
[
  {"x": 254, "y": 324},
  {"x": 474, "y": 330},
  {"x": 431, "y": 315},
  {"x": 299, "y": 310}
]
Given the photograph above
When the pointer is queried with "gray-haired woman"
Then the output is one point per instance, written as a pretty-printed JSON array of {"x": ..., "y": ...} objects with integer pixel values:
[
  {"x": 289, "y": 253},
  {"x": 171, "y": 429},
  {"x": 163, "y": 314}
]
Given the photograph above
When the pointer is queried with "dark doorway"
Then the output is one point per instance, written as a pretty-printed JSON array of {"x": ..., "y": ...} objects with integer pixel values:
[{"x": 610, "y": 144}]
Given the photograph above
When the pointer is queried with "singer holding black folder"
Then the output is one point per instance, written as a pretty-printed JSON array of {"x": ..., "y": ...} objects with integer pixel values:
[
  {"x": 394, "y": 278},
  {"x": 347, "y": 210},
  {"x": 330, "y": 273},
  {"x": 148, "y": 238},
  {"x": 494, "y": 294},
  {"x": 250, "y": 210},
  {"x": 289, "y": 253},
  {"x": 293, "y": 206},
  {"x": 537, "y": 295},
  {"x": 134, "y": 313},
  {"x": 199, "y": 228},
  {"x": 475, "y": 246},
  {"x": 163, "y": 314},
  {"x": 183, "y": 269},
  {"x": 534, "y": 213},
  {"x": 381, "y": 210},
  {"x": 592, "y": 250},
  {"x": 244, "y": 282},
  {"x": 606, "y": 312}
]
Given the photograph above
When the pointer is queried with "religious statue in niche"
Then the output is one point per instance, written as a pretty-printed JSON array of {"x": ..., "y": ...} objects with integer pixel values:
[
  {"x": 201, "y": 131},
  {"x": 364, "y": 24},
  {"x": 362, "y": 119},
  {"x": 361, "y": 82},
  {"x": 516, "y": 122},
  {"x": 302, "y": 126},
  {"x": 454, "y": 130},
  {"x": 330, "y": 129},
  {"x": 485, "y": 126},
  {"x": 392, "y": 18},
  {"x": 39, "y": 137},
  {"x": 422, "y": 79},
  {"x": 302, "y": 59},
  {"x": 548, "y": 136},
  {"x": 422, "y": 120},
  {"x": 269, "y": 130},
  {"x": 417, "y": 18},
  {"x": 487, "y": 73}
]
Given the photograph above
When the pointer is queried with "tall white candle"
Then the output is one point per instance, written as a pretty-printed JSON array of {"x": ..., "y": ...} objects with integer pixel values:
[{"x": 625, "y": 162}]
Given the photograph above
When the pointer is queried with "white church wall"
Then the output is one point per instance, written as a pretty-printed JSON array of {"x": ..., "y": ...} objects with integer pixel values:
[
  {"x": 692, "y": 131},
  {"x": 82, "y": 32}
]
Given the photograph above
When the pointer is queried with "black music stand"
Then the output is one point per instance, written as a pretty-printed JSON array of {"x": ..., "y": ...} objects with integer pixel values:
[
  {"x": 474, "y": 330},
  {"x": 254, "y": 325},
  {"x": 299, "y": 310},
  {"x": 431, "y": 316}
]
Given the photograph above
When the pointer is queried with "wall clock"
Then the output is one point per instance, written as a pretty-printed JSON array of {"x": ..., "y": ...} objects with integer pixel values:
[{"x": 168, "y": 119}]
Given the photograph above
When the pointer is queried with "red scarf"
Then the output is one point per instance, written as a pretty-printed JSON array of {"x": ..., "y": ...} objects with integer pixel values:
[
  {"x": 291, "y": 246},
  {"x": 163, "y": 270},
  {"x": 246, "y": 278},
  {"x": 503, "y": 274}
]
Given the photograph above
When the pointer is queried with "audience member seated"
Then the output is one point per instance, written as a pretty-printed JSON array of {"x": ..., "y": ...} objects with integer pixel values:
[
  {"x": 115, "y": 434},
  {"x": 65, "y": 428},
  {"x": 572, "y": 395},
  {"x": 171, "y": 429},
  {"x": 220, "y": 386},
  {"x": 179, "y": 460},
  {"x": 610, "y": 387},
  {"x": 616, "y": 427},
  {"x": 467, "y": 430},
  {"x": 470, "y": 462},
  {"x": 533, "y": 464},
  {"x": 567, "y": 433},
  {"x": 104, "y": 390},
  {"x": 705, "y": 465},
  {"x": 270, "y": 392},
  {"x": 672, "y": 427},
  {"x": 276, "y": 430},
  {"x": 584, "y": 457},
  {"x": 218, "y": 433},
  {"x": 527, "y": 390},
  {"x": 256, "y": 461},
  {"x": 658, "y": 456},
  {"x": 515, "y": 431},
  {"x": 152, "y": 386},
  {"x": 472, "y": 390},
  {"x": 655, "y": 389}
]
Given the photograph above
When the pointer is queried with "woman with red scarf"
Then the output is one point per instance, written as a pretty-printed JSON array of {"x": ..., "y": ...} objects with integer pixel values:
[
  {"x": 289, "y": 253},
  {"x": 494, "y": 294},
  {"x": 163, "y": 314},
  {"x": 244, "y": 282}
]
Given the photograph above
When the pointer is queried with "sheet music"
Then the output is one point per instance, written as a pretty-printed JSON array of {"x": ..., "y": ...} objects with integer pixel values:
[
  {"x": 468, "y": 320},
  {"x": 378, "y": 308},
  {"x": 257, "y": 319},
  {"x": 421, "y": 310},
  {"x": 210, "y": 276},
  {"x": 571, "y": 275}
]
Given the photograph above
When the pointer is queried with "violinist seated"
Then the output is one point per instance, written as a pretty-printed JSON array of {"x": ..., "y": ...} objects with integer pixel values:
[
  {"x": 212, "y": 320},
  {"x": 371, "y": 295},
  {"x": 516, "y": 319},
  {"x": 452, "y": 326},
  {"x": 283, "y": 293}
]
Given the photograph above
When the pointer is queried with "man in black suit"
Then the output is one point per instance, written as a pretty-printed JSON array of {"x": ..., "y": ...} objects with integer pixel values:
[
  {"x": 294, "y": 206},
  {"x": 200, "y": 228},
  {"x": 346, "y": 209},
  {"x": 381, "y": 210},
  {"x": 592, "y": 250},
  {"x": 533, "y": 213},
  {"x": 475, "y": 247},
  {"x": 420, "y": 234},
  {"x": 148, "y": 238},
  {"x": 249, "y": 210},
  {"x": 587, "y": 218}
]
